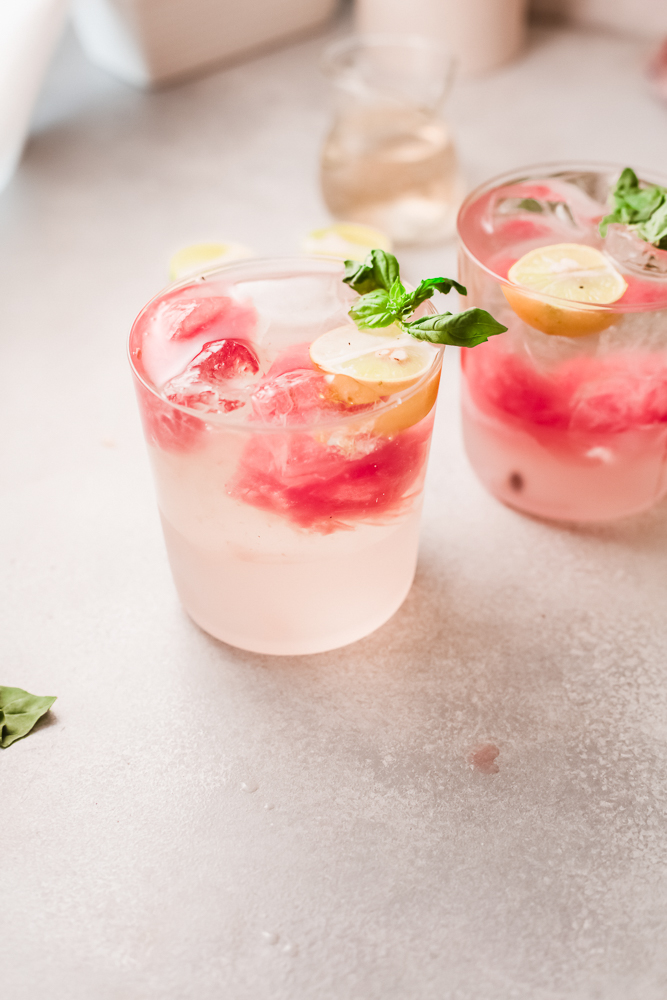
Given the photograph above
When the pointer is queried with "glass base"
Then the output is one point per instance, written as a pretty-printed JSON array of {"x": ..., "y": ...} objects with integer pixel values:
[
  {"x": 560, "y": 478},
  {"x": 288, "y": 608}
]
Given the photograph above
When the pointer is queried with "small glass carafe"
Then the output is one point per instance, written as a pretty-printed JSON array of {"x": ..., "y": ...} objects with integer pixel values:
[{"x": 389, "y": 160}]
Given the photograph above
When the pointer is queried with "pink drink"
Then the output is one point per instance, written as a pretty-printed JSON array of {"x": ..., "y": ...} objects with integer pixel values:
[
  {"x": 290, "y": 511},
  {"x": 573, "y": 426}
]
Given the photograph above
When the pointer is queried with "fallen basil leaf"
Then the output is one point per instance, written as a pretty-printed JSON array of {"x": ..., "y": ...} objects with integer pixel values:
[
  {"x": 19, "y": 711},
  {"x": 464, "y": 329}
]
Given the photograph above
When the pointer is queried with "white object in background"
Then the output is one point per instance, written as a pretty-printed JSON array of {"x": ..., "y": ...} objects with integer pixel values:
[
  {"x": 29, "y": 30},
  {"x": 145, "y": 42},
  {"x": 638, "y": 18},
  {"x": 481, "y": 34}
]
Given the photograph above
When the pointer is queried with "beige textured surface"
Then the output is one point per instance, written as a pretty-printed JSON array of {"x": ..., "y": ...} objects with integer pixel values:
[{"x": 372, "y": 860}]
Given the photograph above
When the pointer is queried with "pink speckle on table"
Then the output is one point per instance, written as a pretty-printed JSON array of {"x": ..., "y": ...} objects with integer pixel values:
[{"x": 483, "y": 758}]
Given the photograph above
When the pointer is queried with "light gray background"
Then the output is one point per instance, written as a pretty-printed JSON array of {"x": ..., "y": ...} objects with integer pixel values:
[{"x": 371, "y": 861}]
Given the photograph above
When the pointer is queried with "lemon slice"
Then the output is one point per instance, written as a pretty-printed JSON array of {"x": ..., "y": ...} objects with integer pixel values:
[
  {"x": 200, "y": 257},
  {"x": 386, "y": 360},
  {"x": 570, "y": 271},
  {"x": 346, "y": 240},
  {"x": 363, "y": 366}
]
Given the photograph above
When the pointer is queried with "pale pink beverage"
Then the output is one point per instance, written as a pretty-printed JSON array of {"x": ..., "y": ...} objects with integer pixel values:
[
  {"x": 570, "y": 426},
  {"x": 290, "y": 509}
]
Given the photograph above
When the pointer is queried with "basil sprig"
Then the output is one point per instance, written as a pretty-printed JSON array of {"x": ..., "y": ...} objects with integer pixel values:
[
  {"x": 384, "y": 300},
  {"x": 642, "y": 208},
  {"x": 19, "y": 711}
]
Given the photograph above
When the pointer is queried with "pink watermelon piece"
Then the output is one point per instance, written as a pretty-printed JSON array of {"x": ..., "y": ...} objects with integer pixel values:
[
  {"x": 591, "y": 394},
  {"x": 214, "y": 368},
  {"x": 321, "y": 489},
  {"x": 221, "y": 360},
  {"x": 194, "y": 310}
]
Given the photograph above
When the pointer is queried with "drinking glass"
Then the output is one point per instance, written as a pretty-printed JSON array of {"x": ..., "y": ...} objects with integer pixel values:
[
  {"x": 565, "y": 415},
  {"x": 290, "y": 505}
]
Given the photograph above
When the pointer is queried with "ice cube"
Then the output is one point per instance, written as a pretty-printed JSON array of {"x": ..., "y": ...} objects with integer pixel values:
[
  {"x": 222, "y": 360},
  {"x": 295, "y": 307},
  {"x": 218, "y": 379},
  {"x": 548, "y": 208},
  {"x": 594, "y": 185},
  {"x": 559, "y": 210},
  {"x": 643, "y": 330},
  {"x": 181, "y": 322},
  {"x": 301, "y": 396},
  {"x": 548, "y": 352},
  {"x": 630, "y": 251},
  {"x": 165, "y": 427}
]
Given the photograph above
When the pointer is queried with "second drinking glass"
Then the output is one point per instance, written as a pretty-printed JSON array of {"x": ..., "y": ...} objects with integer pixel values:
[{"x": 565, "y": 415}]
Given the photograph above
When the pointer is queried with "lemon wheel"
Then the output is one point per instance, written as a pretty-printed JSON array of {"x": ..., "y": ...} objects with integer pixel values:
[
  {"x": 365, "y": 366},
  {"x": 572, "y": 272}
]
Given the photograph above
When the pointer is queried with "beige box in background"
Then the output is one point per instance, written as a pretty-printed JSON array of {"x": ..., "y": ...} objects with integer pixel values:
[{"x": 149, "y": 42}]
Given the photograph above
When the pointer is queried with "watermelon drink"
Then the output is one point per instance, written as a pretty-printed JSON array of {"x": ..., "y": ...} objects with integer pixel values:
[
  {"x": 290, "y": 495},
  {"x": 565, "y": 415}
]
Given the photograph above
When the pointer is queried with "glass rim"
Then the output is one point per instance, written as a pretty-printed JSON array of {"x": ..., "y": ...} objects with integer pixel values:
[
  {"x": 332, "y": 56},
  {"x": 385, "y": 39},
  {"x": 545, "y": 170},
  {"x": 284, "y": 266}
]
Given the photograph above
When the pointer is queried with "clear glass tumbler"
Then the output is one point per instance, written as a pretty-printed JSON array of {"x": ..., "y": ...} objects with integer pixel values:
[
  {"x": 290, "y": 500},
  {"x": 565, "y": 415},
  {"x": 389, "y": 160}
]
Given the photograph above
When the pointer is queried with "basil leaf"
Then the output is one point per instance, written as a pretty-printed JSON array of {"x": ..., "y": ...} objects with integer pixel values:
[
  {"x": 373, "y": 310},
  {"x": 641, "y": 208},
  {"x": 383, "y": 300},
  {"x": 19, "y": 711},
  {"x": 443, "y": 285},
  {"x": 385, "y": 268},
  {"x": 530, "y": 205},
  {"x": 656, "y": 227},
  {"x": 464, "y": 329},
  {"x": 379, "y": 270},
  {"x": 397, "y": 296},
  {"x": 642, "y": 205},
  {"x": 360, "y": 277},
  {"x": 426, "y": 288}
]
